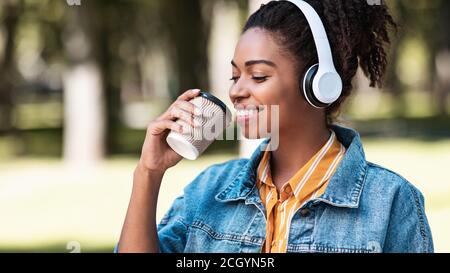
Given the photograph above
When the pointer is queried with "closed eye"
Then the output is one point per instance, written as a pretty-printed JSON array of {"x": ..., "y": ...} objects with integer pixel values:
[
  {"x": 257, "y": 79},
  {"x": 260, "y": 79},
  {"x": 234, "y": 79}
]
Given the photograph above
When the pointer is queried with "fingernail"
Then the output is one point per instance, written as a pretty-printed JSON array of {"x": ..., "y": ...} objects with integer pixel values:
[{"x": 195, "y": 91}]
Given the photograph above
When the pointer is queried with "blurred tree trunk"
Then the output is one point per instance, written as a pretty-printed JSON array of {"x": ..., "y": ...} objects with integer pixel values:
[
  {"x": 394, "y": 85},
  {"x": 8, "y": 70},
  {"x": 107, "y": 62},
  {"x": 84, "y": 122},
  {"x": 441, "y": 58},
  {"x": 188, "y": 25}
]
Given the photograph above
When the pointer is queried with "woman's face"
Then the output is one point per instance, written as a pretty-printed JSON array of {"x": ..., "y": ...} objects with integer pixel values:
[{"x": 263, "y": 77}]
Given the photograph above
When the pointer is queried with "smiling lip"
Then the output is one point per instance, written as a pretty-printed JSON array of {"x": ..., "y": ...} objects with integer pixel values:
[{"x": 239, "y": 107}]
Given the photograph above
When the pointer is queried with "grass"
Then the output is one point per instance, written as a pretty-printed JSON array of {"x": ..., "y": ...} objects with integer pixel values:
[{"x": 45, "y": 205}]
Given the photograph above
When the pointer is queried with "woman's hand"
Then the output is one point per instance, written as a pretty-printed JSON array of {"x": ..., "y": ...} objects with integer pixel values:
[{"x": 157, "y": 156}]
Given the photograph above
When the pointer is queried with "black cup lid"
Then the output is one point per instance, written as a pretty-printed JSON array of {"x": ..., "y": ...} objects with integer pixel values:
[{"x": 214, "y": 99}]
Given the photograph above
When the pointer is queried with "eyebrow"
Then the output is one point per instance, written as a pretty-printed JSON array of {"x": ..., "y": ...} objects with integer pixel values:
[{"x": 255, "y": 62}]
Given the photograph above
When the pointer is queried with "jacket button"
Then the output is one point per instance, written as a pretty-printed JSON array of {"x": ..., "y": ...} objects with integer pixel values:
[{"x": 305, "y": 212}]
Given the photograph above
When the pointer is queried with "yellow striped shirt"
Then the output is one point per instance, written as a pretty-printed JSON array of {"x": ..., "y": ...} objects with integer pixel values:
[{"x": 309, "y": 182}]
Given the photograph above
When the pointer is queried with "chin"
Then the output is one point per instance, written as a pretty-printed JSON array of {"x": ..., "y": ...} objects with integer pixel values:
[{"x": 251, "y": 135}]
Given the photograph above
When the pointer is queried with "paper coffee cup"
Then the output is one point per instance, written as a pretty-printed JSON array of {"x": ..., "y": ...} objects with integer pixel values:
[{"x": 215, "y": 118}]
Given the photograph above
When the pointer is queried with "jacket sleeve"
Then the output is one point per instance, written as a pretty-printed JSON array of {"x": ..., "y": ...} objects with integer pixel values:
[
  {"x": 408, "y": 230},
  {"x": 173, "y": 228}
]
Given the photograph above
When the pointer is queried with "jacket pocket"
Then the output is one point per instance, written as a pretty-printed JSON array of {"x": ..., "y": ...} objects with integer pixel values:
[
  {"x": 204, "y": 238},
  {"x": 370, "y": 247}
]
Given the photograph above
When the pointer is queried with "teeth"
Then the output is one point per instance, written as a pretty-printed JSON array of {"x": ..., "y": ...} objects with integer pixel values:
[{"x": 246, "y": 112}]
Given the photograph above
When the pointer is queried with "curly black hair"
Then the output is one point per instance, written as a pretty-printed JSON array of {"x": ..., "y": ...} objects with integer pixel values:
[{"x": 358, "y": 32}]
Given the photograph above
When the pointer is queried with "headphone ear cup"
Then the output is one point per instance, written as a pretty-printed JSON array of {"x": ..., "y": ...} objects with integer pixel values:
[{"x": 308, "y": 88}]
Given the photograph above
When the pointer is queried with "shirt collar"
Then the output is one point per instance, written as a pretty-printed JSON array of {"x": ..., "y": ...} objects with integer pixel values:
[
  {"x": 319, "y": 164},
  {"x": 343, "y": 190}
]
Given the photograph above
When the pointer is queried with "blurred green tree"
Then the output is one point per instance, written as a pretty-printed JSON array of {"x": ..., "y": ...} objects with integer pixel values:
[
  {"x": 188, "y": 26},
  {"x": 427, "y": 22},
  {"x": 113, "y": 41}
]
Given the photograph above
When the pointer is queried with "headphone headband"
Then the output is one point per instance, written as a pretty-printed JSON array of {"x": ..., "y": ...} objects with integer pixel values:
[
  {"x": 319, "y": 34},
  {"x": 322, "y": 84}
]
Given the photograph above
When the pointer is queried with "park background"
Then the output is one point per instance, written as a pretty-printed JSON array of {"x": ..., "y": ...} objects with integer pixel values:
[{"x": 80, "y": 81}]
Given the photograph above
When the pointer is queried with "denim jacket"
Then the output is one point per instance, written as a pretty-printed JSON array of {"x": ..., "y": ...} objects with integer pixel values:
[{"x": 365, "y": 209}]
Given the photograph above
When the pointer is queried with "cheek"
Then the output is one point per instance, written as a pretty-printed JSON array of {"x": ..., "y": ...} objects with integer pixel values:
[
  {"x": 293, "y": 101},
  {"x": 268, "y": 93},
  {"x": 283, "y": 97},
  {"x": 290, "y": 81}
]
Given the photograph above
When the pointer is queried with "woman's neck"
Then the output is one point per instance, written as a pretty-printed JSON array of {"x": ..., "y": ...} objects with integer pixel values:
[{"x": 297, "y": 145}]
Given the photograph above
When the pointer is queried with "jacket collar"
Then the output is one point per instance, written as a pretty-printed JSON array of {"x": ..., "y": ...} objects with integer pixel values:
[{"x": 343, "y": 190}]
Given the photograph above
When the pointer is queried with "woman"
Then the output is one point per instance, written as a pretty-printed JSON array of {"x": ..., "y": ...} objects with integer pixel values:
[{"x": 314, "y": 193}]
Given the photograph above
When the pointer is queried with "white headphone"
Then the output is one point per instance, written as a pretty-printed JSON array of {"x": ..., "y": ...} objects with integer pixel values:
[{"x": 322, "y": 85}]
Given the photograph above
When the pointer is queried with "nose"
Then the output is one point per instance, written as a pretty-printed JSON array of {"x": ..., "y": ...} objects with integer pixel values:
[{"x": 238, "y": 93}]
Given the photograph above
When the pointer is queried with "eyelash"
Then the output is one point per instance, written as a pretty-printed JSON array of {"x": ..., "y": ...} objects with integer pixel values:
[{"x": 258, "y": 79}]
